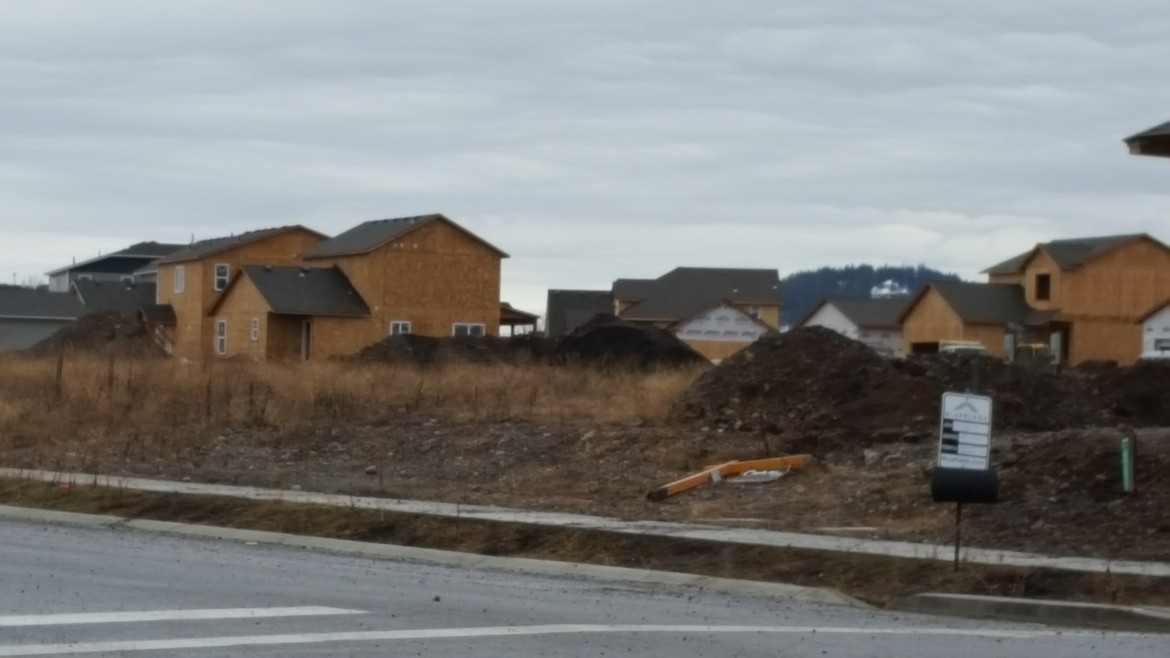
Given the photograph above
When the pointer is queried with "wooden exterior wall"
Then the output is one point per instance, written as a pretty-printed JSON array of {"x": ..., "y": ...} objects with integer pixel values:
[
  {"x": 433, "y": 277},
  {"x": 239, "y": 309},
  {"x": 717, "y": 350},
  {"x": 194, "y": 329},
  {"x": 1096, "y": 340},
  {"x": 1042, "y": 264},
  {"x": 932, "y": 320},
  {"x": 1122, "y": 284}
]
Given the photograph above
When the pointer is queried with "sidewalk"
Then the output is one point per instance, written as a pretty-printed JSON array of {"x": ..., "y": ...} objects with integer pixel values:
[{"x": 651, "y": 528}]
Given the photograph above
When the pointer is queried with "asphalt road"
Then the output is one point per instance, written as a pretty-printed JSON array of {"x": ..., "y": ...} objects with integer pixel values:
[{"x": 67, "y": 590}]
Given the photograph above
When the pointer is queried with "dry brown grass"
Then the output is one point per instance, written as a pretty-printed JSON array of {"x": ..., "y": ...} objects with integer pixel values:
[{"x": 97, "y": 404}]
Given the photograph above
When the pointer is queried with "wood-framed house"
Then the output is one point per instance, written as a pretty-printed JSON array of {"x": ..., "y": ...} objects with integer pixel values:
[{"x": 190, "y": 281}]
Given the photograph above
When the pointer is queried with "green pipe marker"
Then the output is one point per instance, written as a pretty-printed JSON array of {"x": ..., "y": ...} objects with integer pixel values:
[{"x": 1127, "y": 466}]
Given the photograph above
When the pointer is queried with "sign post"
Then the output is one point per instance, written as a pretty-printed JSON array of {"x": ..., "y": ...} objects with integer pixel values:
[{"x": 963, "y": 473}]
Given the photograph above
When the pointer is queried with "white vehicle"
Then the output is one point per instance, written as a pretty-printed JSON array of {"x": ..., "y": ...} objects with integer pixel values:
[{"x": 963, "y": 347}]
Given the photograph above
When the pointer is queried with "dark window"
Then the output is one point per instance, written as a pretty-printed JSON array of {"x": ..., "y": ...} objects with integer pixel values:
[{"x": 1043, "y": 287}]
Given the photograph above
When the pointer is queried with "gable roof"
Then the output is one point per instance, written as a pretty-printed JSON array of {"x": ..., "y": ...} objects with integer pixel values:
[
  {"x": 685, "y": 291},
  {"x": 1152, "y": 141},
  {"x": 38, "y": 304},
  {"x": 865, "y": 312},
  {"x": 1070, "y": 253},
  {"x": 295, "y": 290},
  {"x": 569, "y": 309},
  {"x": 1158, "y": 308},
  {"x": 633, "y": 289},
  {"x": 983, "y": 303},
  {"x": 203, "y": 248},
  {"x": 368, "y": 236},
  {"x": 116, "y": 296},
  {"x": 724, "y": 303},
  {"x": 124, "y": 261}
]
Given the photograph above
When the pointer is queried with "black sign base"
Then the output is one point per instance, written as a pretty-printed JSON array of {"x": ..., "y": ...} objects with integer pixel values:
[{"x": 961, "y": 485}]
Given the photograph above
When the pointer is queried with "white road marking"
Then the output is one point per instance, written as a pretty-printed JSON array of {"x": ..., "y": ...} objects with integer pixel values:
[
  {"x": 519, "y": 631},
  {"x": 169, "y": 615}
]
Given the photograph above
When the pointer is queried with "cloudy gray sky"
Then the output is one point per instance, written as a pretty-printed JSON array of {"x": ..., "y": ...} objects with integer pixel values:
[{"x": 591, "y": 140}]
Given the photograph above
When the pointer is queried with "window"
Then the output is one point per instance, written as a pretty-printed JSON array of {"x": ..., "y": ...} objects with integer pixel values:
[
  {"x": 85, "y": 277},
  {"x": 255, "y": 329},
  {"x": 126, "y": 278},
  {"x": 180, "y": 278},
  {"x": 754, "y": 311},
  {"x": 1043, "y": 287},
  {"x": 221, "y": 337},
  {"x": 221, "y": 276},
  {"x": 467, "y": 329},
  {"x": 399, "y": 327}
]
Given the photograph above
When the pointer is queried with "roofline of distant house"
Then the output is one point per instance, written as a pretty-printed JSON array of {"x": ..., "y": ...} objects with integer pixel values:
[{"x": 95, "y": 259}]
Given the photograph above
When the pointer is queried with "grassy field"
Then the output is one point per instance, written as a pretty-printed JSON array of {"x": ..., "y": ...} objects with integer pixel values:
[{"x": 95, "y": 404}]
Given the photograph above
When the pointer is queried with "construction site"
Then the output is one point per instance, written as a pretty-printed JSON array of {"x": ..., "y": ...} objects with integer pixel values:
[{"x": 858, "y": 434}]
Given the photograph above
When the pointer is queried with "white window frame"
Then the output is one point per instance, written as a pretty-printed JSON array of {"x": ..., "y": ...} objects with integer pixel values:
[
  {"x": 754, "y": 311},
  {"x": 85, "y": 277},
  {"x": 221, "y": 337},
  {"x": 400, "y": 327},
  {"x": 180, "y": 278},
  {"x": 218, "y": 283},
  {"x": 469, "y": 329},
  {"x": 255, "y": 329}
]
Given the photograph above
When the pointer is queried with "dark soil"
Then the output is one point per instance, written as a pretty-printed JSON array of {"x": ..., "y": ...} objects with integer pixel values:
[
  {"x": 107, "y": 333},
  {"x": 615, "y": 343},
  {"x": 815, "y": 380},
  {"x": 409, "y": 349}
]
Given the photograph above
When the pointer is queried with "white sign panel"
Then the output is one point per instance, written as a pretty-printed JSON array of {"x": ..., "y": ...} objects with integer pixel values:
[{"x": 965, "y": 431}]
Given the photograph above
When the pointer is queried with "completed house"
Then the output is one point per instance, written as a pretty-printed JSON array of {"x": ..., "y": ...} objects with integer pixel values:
[
  {"x": 1155, "y": 329},
  {"x": 1081, "y": 297},
  {"x": 191, "y": 280},
  {"x": 30, "y": 315},
  {"x": 870, "y": 321},
  {"x": 117, "y": 267}
]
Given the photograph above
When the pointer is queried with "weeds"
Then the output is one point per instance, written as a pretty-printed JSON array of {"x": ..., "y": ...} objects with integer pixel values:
[{"x": 93, "y": 406}]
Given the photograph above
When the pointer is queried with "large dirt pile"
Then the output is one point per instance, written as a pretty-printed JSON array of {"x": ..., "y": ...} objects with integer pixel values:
[
  {"x": 815, "y": 380},
  {"x": 106, "y": 333},
  {"x": 812, "y": 379},
  {"x": 428, "y": 351},
  {"x": 616, "y": 343}
]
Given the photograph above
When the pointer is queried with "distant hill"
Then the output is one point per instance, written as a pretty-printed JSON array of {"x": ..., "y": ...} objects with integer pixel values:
[{"x": 802, "y": 290}]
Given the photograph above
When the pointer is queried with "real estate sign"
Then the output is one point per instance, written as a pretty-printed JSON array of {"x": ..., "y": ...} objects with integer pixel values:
[{"x": 965, "y": 432}]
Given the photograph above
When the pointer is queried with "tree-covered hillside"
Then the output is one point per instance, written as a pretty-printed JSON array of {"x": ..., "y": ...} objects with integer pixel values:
[{"x": 802, "y": 290}]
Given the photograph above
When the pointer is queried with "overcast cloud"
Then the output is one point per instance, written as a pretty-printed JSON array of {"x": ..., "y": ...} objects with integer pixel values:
[{"x": 590, "y": 140}]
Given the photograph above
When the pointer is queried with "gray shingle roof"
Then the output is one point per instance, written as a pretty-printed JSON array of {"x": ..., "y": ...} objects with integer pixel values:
[
  {"x": 197, "y": 250},
  {"x": 633, "y": 289},
  {"x": 114, "y": 296},
  {"x": 292, "y": 290},
  {"x": 150, "y": 249},
  {"x": 568, "y": 309},
  {"x": 1068, "y": 253},
  {"x": 1160, "y": 130},
  {"x": 987, "y": 303},
  {"x": 30, "y": 303},
  {"x": 368, "y": 236},
  {"x": 867, "y": 313},
  {"x": 685, "y": 291}
]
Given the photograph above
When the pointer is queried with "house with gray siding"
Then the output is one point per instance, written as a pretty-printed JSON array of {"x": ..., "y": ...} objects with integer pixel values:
[{"x": 30, "y": 315}]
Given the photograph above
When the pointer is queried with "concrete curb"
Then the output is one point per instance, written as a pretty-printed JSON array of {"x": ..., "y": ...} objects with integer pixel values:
[
  {"x": 777, "y": 591},
  {"x": 675, "y": 530},
  {"x": 1053, "y": 613}
]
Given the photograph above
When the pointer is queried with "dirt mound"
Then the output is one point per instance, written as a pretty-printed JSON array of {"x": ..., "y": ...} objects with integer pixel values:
[
  {"x": 611, "y": 342},
  {"x": 428, "y": 351},
  {"x": 815, "y": 381},
  {"x": 812, "y": 379},
  {"x": 106, "y": 333}
]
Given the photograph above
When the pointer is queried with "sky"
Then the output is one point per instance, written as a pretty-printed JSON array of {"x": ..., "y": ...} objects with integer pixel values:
[{"x": 591, "y": 140}]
